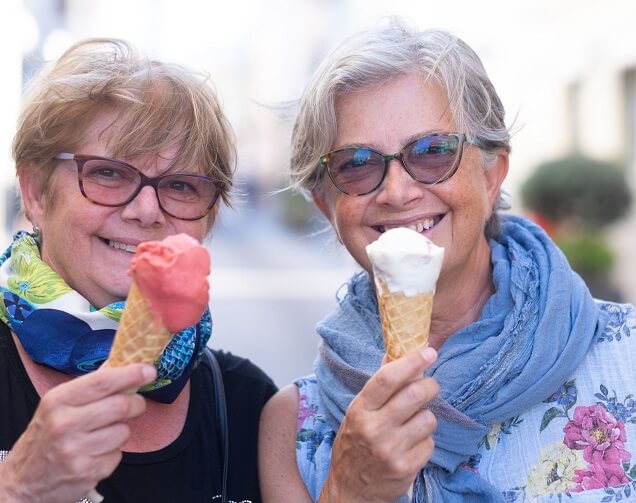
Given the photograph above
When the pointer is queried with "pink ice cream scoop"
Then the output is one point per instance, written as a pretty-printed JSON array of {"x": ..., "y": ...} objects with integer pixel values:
[{"x": 172, "y": 276}]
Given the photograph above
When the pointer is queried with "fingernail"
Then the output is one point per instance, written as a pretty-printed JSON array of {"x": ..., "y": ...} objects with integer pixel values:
[
  {"x": 149, "y": 372},
  {"x": 429, "y": 354}
]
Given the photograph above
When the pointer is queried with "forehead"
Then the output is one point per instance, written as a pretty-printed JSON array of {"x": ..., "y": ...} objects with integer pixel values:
[
  {"x": 100, "y": 139},
  {"x": 387, "y": 115}
]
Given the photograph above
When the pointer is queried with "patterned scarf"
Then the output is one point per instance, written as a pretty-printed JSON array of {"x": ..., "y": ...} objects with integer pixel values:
[
  {"x": 59, "y": 328},
  {"x": 530, "y": 338}
]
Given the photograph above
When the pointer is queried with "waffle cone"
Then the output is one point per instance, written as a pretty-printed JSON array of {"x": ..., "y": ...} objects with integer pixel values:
[
  {"x": 406, "y": 320},
  {"x": 141, "y": 337}
]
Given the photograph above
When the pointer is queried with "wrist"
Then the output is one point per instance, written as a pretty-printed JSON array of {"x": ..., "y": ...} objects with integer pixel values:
[
  {"x": 331, "y": 493},
  {"x": 9, "y": 488}
]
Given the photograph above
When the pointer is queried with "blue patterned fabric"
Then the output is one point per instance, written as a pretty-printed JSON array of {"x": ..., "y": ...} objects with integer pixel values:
[
  {"x": 531, "y": 336},
  {"x": 59, "y": 328}
]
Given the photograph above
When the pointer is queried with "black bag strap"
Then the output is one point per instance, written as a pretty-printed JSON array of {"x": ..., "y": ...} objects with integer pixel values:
[{"x": 221, "y": 415}]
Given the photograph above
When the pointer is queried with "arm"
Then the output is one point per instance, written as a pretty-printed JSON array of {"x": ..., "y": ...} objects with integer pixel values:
[
  {"x": 277, "y": 470},
  {"x": 74, "y": 439},
  {"x": 381, "y": 445}
]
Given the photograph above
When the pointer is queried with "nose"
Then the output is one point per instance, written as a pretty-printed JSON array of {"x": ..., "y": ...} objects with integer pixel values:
[
  {"x": 398, "y": 188},
  {"x": 145, "y": 208}
]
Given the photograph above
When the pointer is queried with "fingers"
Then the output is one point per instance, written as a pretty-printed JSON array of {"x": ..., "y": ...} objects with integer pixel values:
[
  {"x": 106, "y": 381},
  {"x": 394, "y": 376},
  {"x": 410, "y": 400},
  {"x": 112, "y": 409}
]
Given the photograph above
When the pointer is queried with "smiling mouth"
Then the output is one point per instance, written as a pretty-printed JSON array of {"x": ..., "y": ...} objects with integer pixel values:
[
  {"x": 121, "y": 246},
  {"x": 419, "y": 226}
]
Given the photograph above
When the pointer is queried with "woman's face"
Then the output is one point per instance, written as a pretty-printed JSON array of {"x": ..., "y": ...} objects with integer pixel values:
[
  {"x": 384, "y": 118},
  {"x": 91, "y": 246}
]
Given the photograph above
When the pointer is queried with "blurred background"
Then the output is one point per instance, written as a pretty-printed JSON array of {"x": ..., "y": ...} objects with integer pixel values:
[{"x": 566, "y": 72}]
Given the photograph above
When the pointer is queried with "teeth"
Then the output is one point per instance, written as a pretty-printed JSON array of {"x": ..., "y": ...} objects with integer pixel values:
[
  {"x": 122, "y": 246},
  {"x": 425, "y": 224}
]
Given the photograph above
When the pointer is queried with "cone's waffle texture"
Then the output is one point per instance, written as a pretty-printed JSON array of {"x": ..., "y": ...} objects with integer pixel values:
[
  {"x": 405, "y": 320},
  {"x": 140, "y": 337}
]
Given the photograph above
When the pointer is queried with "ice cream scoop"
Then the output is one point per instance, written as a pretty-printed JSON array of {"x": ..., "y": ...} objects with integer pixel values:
[
  {"x": 406, "y": 265},
  {"x": 169, "y": 292}
]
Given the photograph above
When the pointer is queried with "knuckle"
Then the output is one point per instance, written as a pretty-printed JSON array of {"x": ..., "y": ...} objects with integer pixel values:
[
  {"x": 102, "y": 383},
  {"x": 48, "y": 403},
  {"x": 430, "y": 421},
  {"x": 429, "y": 447},
  {"x": 120, "y": 405},
  {"x": 415, "y": 393},
  {"x": 385, "y": 454},
  {"x": 368, "y": 432},
  {"x": 384, "y": 378},
  {"x": 433, "y": 387},
  {"x": 59, "y": 424},
  {"x": 400, "y": 468}
]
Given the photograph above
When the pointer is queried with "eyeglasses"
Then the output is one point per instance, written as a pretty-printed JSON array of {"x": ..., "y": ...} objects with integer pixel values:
[
  {"x": 431, "y": 159},
  {"x": 109, "y": 182}
]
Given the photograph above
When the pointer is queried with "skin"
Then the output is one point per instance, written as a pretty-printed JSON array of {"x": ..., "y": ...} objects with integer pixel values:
[
  {"x": 91, "y": 266},
  {"x": 83, "y": 424},
  {"x": 384, "y": 439}
]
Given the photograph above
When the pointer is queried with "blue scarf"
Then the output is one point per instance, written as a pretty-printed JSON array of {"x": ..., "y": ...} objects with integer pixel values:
[
  {"x": 59, "y": 328},
  {"x": 530, "y": 338}
]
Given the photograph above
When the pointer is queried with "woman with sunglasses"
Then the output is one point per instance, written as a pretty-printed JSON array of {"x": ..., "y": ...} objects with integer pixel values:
[
  {"x": 526, "y": 392},
  {"x": 113, "y": 150}
]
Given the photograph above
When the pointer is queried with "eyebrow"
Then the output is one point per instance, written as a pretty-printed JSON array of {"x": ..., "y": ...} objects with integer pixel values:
[{"x": 404, "y": 142}]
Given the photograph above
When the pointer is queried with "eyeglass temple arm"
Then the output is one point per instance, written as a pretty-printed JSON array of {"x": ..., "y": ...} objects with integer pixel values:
[
  {"x": 64, "y": 156},
  {"x": 474, "y": 140}
]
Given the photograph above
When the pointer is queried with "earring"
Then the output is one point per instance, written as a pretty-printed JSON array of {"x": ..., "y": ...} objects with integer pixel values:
[{"x": 36, "y": 233}]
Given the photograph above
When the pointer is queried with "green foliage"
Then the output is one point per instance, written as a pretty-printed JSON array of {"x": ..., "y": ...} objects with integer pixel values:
[
  {"x": 578, "y": 189},
  {"x": 587, "y": 253}
]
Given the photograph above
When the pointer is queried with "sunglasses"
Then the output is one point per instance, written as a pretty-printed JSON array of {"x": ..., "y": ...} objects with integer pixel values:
[
  {"x": 109, "y": 182},
  {"x": 431, "y": 159}
]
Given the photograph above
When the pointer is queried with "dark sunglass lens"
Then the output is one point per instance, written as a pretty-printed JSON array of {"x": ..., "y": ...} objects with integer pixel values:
[
  {"x": 431, "y": 158},
  {"x": 108, "y": 182},
  {"x": 187, "y": 196},
  {"x": 356, "y": 170}
]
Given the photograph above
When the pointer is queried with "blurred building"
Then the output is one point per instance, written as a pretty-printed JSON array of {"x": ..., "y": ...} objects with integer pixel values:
[{"x": 566, "y": 70}]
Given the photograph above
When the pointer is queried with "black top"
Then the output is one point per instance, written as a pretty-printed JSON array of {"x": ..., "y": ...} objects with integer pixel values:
[{"x": 189, "y": 468}]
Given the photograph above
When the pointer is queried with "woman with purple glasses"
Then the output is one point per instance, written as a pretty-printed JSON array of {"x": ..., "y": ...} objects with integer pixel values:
[
  {"x": 527, "y": 391},
  {"x": 113, "y": 150}
]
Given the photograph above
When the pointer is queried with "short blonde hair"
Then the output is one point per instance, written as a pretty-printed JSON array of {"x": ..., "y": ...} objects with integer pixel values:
[{"x": 159, "y": 105}]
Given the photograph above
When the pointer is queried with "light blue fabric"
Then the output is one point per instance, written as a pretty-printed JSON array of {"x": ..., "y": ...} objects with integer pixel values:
[{"x": 531, "y": 336}]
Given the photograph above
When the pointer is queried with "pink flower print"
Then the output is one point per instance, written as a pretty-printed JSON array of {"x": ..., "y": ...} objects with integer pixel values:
[
  {"x": 602, "y": 439},
  {"x": 600, "y": 436},
  {"x": 304, "y": 412},
  {"x": 599, "y": 476}
]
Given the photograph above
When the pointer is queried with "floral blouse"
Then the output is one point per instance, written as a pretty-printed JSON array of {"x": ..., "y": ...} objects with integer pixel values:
[{"x": 579, "y": 445}]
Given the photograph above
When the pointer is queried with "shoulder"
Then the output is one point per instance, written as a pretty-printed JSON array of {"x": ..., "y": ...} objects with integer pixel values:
[
  {"x": 278, "y": 421},
  {"x": 278, "y": 471},
  {"x": 621, "y": 325},
  {"x": 282, "y": 409}
]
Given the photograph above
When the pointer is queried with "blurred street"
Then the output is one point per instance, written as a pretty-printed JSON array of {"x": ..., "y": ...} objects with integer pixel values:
[{"x": 270, "y": 286}]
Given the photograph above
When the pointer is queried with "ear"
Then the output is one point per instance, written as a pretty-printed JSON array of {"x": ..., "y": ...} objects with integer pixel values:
[
  {"x": 33, "y": 198},
  {"x": 319, "y": 198},
  {"x": 495, "y": 175}
]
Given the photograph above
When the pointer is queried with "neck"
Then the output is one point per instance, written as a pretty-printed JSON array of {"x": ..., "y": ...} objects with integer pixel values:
[
  {"x": 43, "y": 378},
  {"x": 460, "y": 298}
]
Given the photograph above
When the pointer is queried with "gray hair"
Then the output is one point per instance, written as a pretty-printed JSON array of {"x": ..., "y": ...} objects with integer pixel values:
[{"x": 374, "y": 57}]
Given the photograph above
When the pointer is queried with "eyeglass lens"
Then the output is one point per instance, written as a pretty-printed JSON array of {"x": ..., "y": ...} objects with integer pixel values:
[
  {"x": 112, "y": 184},
  {"x": 359, "y": 171}
]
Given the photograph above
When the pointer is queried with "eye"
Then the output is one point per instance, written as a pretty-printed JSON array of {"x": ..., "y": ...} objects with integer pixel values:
[
  {"x": 181, "y": 186},
  {"x": 108, "y": 173},
  {"x": 351, "y": 159}
]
